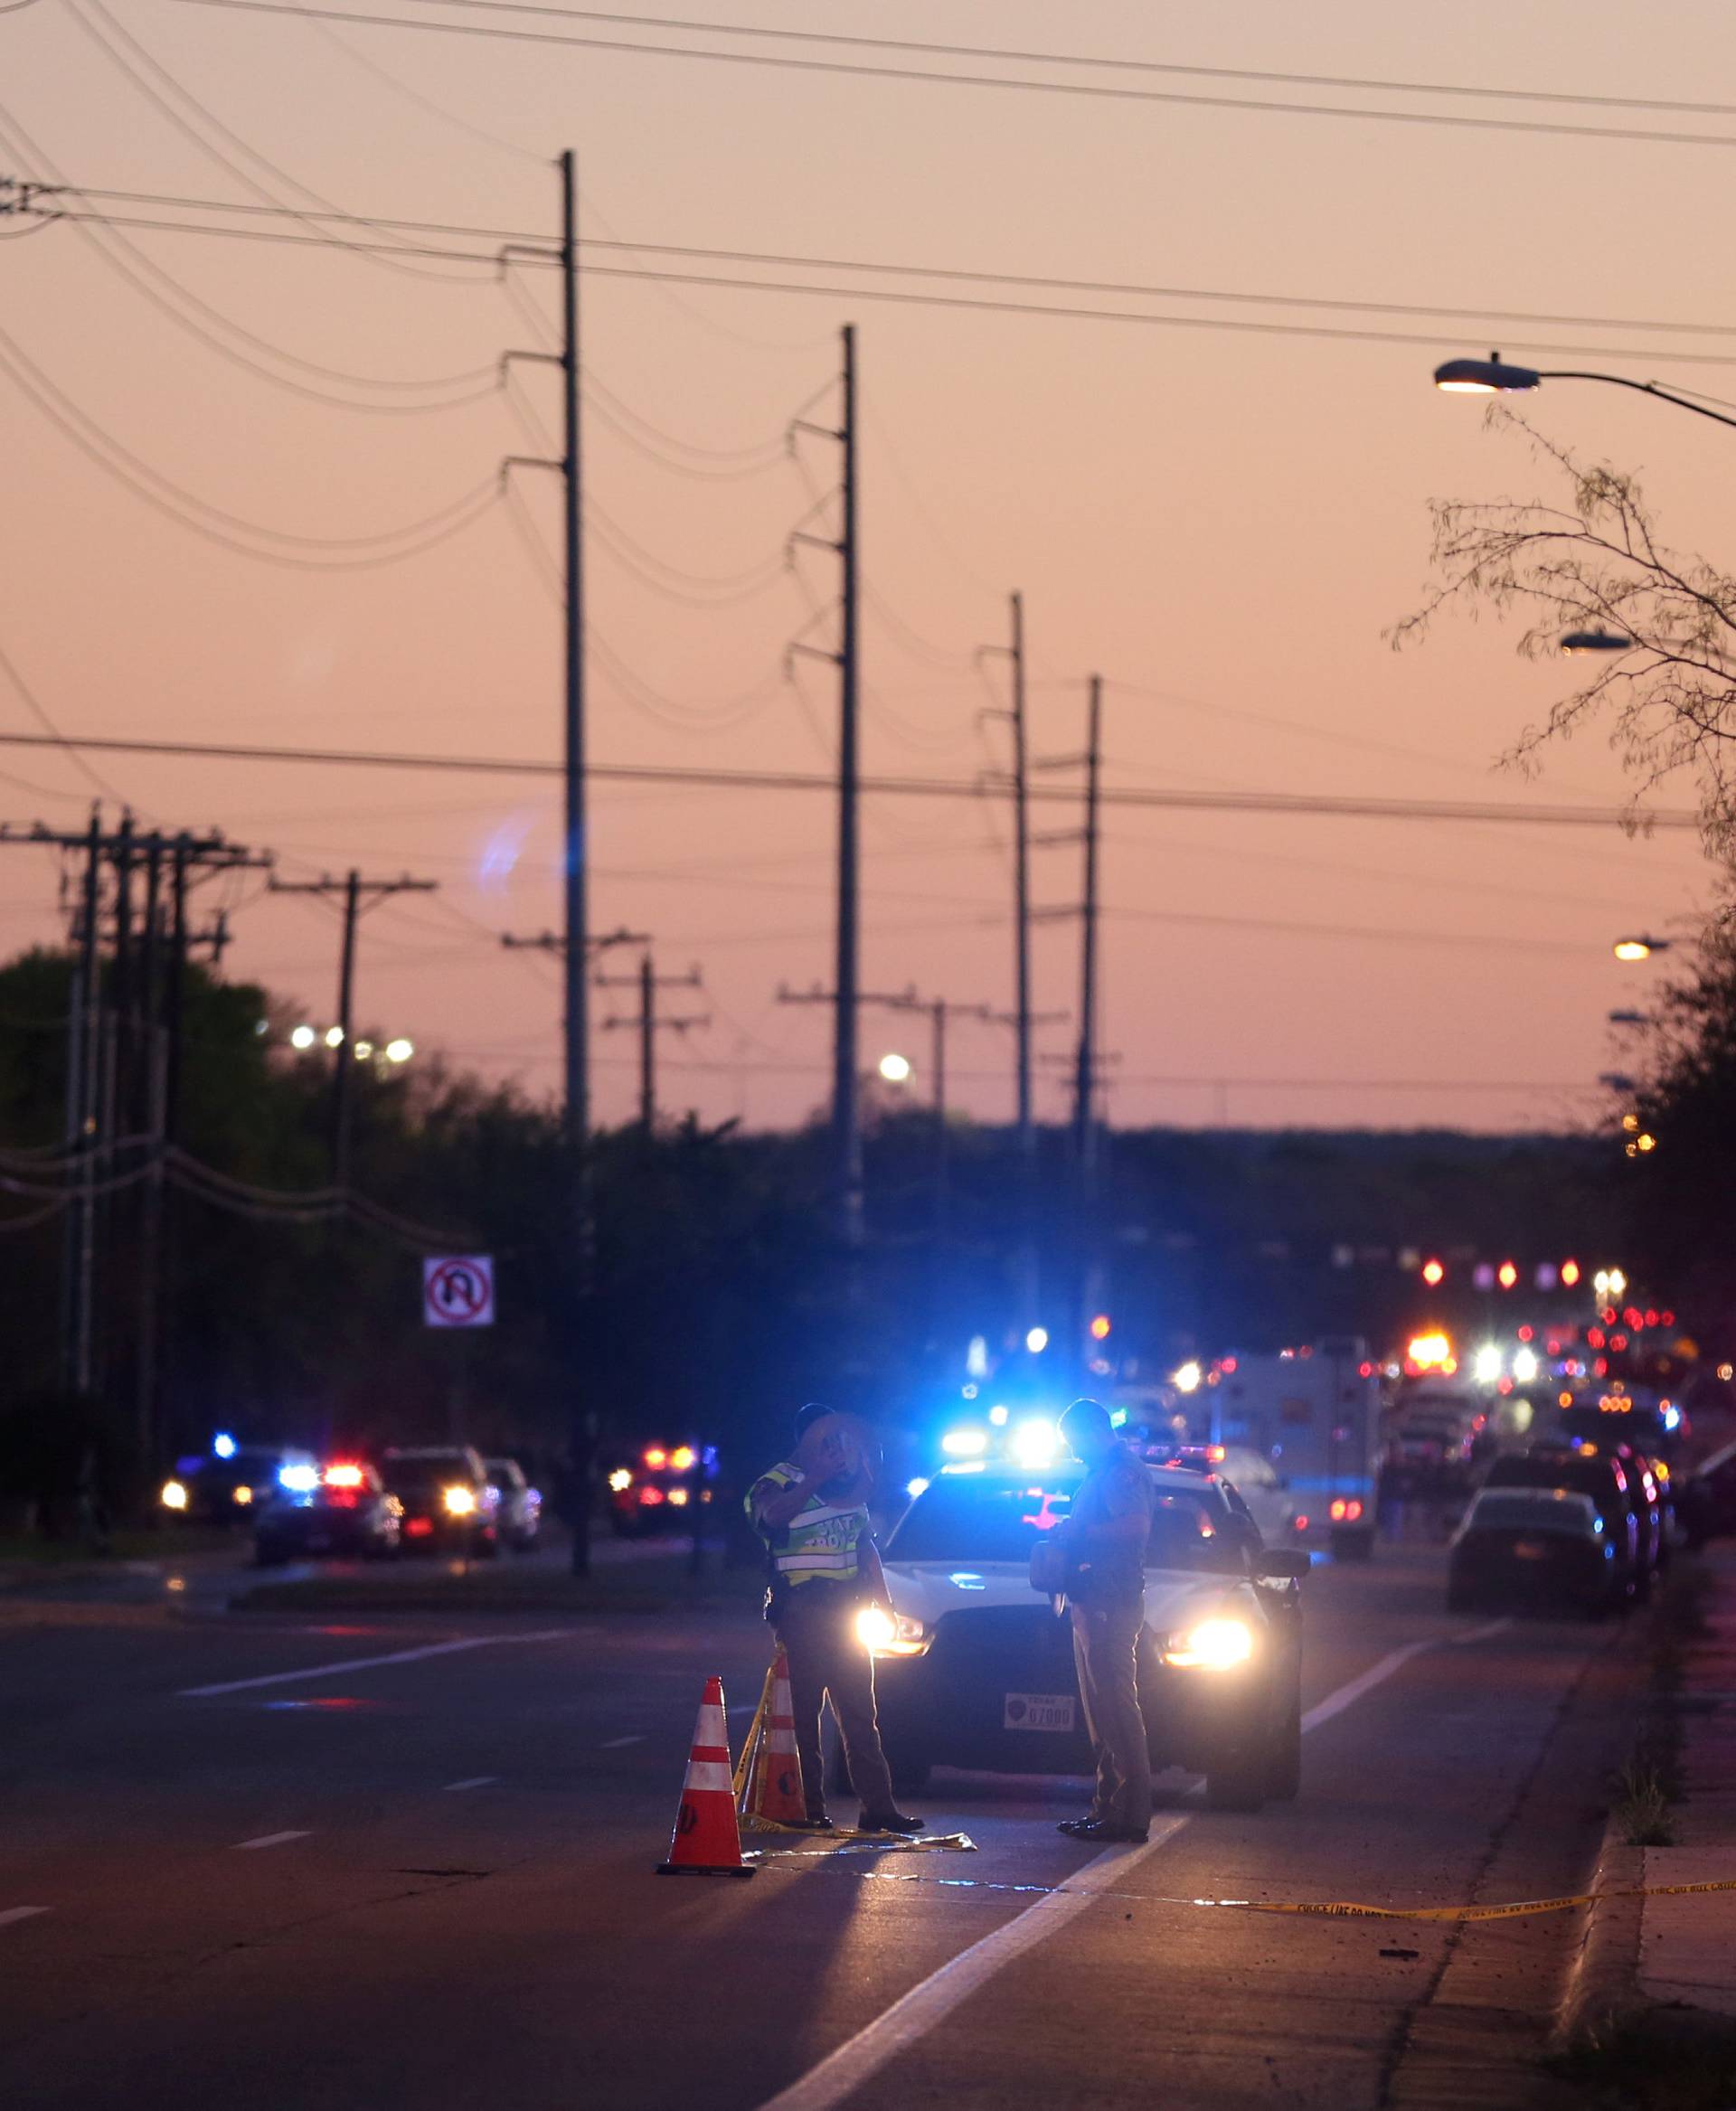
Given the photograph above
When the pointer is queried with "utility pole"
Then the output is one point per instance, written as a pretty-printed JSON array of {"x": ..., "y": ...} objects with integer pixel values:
[
  {"x": 648, "y": 1025},
  {"x": 577, "y": 1048},
  {"x": 359, "y": 895},
  {"x": 83, "y": 1041},
  {"x": 1022, "y": 1017},
  {"x": 1085, "y": 1089},
  {"x": 846, "y": 1087}
]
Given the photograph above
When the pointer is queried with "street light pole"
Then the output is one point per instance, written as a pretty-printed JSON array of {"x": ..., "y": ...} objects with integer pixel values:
[{"x": 1495, "y": 376}]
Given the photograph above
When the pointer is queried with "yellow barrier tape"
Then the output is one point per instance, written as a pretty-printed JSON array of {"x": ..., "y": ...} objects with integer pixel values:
[
  {"x": 843, "y": 1839},
  {"x": 1324, "y": 1908},
  {"x": 739, "y": 1783}
]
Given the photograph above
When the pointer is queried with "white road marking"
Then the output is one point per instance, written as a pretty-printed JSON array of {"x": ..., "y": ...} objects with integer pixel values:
[
  {"x": 271, "y": 1840},
  {"x": 615, "y": 1744},
  {"x": 1483, "y": 1633},
  {"x": 368, "y": 1663},
  {"x": 14, "y": 1913},
  {"x": 476, "y": 1781},
  {"x": 911, "y": 2018}
]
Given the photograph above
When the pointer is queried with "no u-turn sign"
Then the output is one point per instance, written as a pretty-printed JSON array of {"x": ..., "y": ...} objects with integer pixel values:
[{"x": 458, "y": 1290}]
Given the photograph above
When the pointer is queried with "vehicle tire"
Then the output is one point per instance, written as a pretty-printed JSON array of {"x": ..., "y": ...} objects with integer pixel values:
[
  {"x": 1283, "y": 1762},
  {"x": 1238, "y": 1784}
]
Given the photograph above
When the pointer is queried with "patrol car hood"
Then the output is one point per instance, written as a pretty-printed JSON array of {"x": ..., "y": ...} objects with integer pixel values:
[{"x": 928, "y": 1590}]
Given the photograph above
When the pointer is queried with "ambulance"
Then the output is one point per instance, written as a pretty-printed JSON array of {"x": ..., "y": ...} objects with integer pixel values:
[{"x": 1314, "y": 1412}]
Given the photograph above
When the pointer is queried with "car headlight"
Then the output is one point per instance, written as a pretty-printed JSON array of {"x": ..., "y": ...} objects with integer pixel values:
[
  {"x": 174, "y": 1496},
  {"x": 884, "y": 1633},
  {"x": 459, "y": 1500},
  {"x": 1216, "y": 1645},
  {"x": 619, "y": 1480},
  {"x": 1035, "y": 1443},
  {"x": 243, "y": 1494}
]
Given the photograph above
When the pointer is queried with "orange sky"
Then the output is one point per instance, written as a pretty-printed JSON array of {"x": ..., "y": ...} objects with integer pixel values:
[{"x": 1222, "y": 522}]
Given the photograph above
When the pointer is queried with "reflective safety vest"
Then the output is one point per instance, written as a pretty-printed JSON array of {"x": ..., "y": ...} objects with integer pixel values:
[{"x": 820, "y": 1543}]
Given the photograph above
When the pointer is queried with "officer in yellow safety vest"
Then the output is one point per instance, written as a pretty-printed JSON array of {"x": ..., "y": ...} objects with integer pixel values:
[{"x": 811, "y": 1509}]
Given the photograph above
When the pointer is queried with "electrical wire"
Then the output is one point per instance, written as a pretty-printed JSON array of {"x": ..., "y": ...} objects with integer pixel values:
[
  {"x": 1030, "y": 281},
  {"x": 697, "y": 589},
  {"x": 1111, "y": 62},
  {"x": 477, "y": 381},
  {"x": 1306, "y": 805},
  {"x": 160, "y": 100},
  {"x": 39, "y": 711},
  {"x": 424, "y": 102},
  {"x": 101, "y": 448},
  {"x": 1098, "y": 92},
  {"x": 899, "y": 297}
]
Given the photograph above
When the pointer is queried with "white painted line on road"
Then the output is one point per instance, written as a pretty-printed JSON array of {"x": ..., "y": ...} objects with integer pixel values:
[
  {"x": 1480, "y": 1633},
  {"x": 271, "y": 1840},
  {"x": 911, "y": 2018},
  {"x": 615, "y": 1744},
  {"x": 476, "y": 1781},
  {"x": 14, "y": 1913},
  {"x": 368, "y": 1663}
]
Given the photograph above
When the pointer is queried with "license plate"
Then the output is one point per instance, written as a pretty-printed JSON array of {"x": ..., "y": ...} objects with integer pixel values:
[
  {"x": 1052, "y": 1712},
  {"x": 1529, "y": 1549}
]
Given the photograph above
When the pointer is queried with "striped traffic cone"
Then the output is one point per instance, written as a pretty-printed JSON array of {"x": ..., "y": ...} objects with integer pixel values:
[
  {"x": 777, "y": 1795},
  {"x": 706, "y": 1841}
]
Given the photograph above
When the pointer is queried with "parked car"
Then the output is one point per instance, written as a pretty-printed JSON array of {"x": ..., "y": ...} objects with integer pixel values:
[
  {"x": 1705, "y": 1499},
  {"x": 450, "y": 1505},
  {"x": 222, "y": 1485},
  {"x": 520, "y": 1515},
  {"x": 1652, "y": 1423},
  {"x": 653, "y": 1488},
  {"x": 344, "y": 1512},
  {"x": 1534, "y": 1549},
  {"x": 974, "y": 1668},
  {"x": 1625, "y": 1497}
]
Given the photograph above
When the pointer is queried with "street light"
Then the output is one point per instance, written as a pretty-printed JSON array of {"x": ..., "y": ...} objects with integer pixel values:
[
  {"x": 1495, "y": 376},
  {"x": 1578, "y": 643},
  {"x": 1638, "y": 948},
  {"x": 895, "y": 1069}
]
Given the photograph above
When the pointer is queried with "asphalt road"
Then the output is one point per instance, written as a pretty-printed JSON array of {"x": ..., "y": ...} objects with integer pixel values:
[{"x": 374, "y": 1864}]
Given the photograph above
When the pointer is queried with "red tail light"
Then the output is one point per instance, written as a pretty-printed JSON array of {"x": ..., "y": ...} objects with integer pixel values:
[
  {"x": 649, "y": 1495},
  {"x": 418, "y": 1528}
]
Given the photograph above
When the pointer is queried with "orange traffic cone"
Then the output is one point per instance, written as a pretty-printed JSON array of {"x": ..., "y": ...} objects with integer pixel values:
[
  {"x": 776, "y": 1794},
  {"x": 706, "y": 1841}
]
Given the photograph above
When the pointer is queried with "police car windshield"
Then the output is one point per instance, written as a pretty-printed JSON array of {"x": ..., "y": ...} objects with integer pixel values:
[{"x": 968, "y": 1520}]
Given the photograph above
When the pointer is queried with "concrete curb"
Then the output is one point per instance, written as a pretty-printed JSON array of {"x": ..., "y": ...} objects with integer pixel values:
[{"x": 1604, "y": 1973}]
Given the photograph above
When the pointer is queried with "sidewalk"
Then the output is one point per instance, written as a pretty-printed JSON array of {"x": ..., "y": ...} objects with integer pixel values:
[{"x": 1687, "y": 1951}]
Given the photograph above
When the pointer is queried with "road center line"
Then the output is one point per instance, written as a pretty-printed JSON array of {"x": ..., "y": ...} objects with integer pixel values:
[
  {"x": 615, "y": 1744},
  {"x": 269, "y": 1839},
  {"x": 14, "y": 1913},
  {"x": 368, "y": 1663},
  {"x": 476, "y": 1781},
  {"x": 929, "y": 2004}
]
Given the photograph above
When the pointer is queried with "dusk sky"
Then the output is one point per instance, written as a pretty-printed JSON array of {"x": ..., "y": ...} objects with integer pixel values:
[{"x": 1220, "y": 521}]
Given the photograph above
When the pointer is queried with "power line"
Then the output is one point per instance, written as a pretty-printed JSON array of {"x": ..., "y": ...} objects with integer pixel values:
[
  {"x": 1126, "y": 288},
  {"x": 190, "y": 131},
  {"x": 39, "y": 711},
  {"x": 1115, "y": 62},
  {"x": 346, "y": 552},
  {"x": 1098, "y": 91},
  {"x": 1301, "y": 803}
]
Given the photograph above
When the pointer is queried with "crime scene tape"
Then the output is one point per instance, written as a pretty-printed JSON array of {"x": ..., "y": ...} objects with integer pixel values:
[
  {"x": 843, "y": 1839},
  {"x": 1323, "y": 1908}
]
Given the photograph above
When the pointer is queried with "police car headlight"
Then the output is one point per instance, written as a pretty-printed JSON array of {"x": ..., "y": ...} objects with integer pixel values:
[
  {"x": 459, "y": 1500},
  {"x": 1216, "y": 1645},
  {"x": 884, "y": 1633}
]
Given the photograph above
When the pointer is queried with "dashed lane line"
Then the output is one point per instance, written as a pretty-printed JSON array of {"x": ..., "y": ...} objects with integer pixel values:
[
  {"x": 271, "y": 1840},
  {"x": 927, "y": 2004},
  {"x": 12, "y": 1913},
  {"x": 476, "y": 1781},
  {"x": 369, "y": 1663},
  {"x": 615, "y": 1744}
]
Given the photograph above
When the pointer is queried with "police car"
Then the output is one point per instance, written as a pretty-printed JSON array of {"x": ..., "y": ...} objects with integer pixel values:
[{"x": 974, "y": 1669}]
